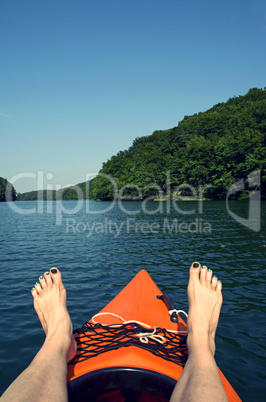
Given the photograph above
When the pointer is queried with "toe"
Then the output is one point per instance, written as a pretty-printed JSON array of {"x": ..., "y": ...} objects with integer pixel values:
[
  {"x": 203, "y": 273},
  {"x": 34, "y": 293},
  {"x": 195, "y": 269},
  {"x": 214, "y": 281},
  {"x": 38, "y": 287},
  {"x": 42, "y": 282},
  {"x": 56, "y": 276},
  {"x": 208, "y": 276},
  {"x": 219, "y": 286},
  {"x": 48, "y": 278}
]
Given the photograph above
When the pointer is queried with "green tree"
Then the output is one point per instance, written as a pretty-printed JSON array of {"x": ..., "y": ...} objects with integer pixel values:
[{"x": 7, "y": 191}]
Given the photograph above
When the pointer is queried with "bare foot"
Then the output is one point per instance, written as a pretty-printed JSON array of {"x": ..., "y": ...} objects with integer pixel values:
[
  {"x": 49, "y": 300},
  {"x": 205, "y": 301}
]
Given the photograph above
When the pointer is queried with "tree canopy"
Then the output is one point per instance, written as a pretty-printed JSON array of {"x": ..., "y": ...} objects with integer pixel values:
[{"x": 7, "y": 191}]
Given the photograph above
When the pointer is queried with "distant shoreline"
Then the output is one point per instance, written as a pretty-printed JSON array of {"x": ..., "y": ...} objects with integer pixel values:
[{"x": 182, "y": 199}]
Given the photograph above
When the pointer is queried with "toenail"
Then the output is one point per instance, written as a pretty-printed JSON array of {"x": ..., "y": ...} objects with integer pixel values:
[
  {"x": 47, "y": 273},
  {"x": 195, "y": 265},
  {"x": 209, "y": 270},
  {"x": 37, "y": 283},
  {"x": 32, "y": 288},
  {"x": 214, "y": 276},
  {"x": 204, "y": 267},
  {"x": 54, "y": 271},
  {"x": 41, "y": 277}
]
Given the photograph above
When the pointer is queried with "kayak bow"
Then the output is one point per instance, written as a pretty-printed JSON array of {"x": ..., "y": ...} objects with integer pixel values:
[{"x": 133, "y": 349}]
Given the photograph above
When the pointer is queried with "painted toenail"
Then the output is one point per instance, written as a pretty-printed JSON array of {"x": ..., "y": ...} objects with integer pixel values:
[
  {"x": 204, "y": 267},
  {"x": 47, "y": 273},
  {"x": 54, "y": 271},
  {"x": 41, "y": 277},
  {"x": 209, "y": 270},
  {"x": 195, "y": 265},
  {"x": 214, "y": 277},
  {"x": 37, "y": 283},
  {"x": 32, "y": 288}
]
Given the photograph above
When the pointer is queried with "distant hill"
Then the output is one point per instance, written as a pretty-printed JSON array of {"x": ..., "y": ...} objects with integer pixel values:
[
  {"x": 7, "y": 191},
  {"x": 67, "y": 193},
  {"x": 217, "y": 147}
]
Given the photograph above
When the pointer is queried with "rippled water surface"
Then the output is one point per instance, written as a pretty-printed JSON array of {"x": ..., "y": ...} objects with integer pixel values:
[{"x": 100, "y": 246}]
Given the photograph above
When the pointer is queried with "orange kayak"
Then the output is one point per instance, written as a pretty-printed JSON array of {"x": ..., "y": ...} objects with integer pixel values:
[{"x": 133, "y": 349}]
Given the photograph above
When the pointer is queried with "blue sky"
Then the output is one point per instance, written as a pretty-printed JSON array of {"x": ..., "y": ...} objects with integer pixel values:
[{"x": 81, "y": 79}]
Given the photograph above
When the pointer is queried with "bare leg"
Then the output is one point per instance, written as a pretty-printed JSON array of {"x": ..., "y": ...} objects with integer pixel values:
[
  {"x": 45, "y": 378},
  {"x": 200, "y": 379}
]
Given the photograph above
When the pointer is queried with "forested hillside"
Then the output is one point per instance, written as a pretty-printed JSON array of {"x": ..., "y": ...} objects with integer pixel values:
[
  {"x": 218, "y": 147},
  {"x": 68, "y": 193},
  {"x": 7, "y": 191}
]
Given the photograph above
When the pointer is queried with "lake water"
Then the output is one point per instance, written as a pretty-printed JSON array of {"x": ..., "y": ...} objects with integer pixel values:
[{"x": 100, "y": 246}]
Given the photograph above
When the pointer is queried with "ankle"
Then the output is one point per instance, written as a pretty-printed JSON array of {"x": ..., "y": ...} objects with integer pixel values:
[
  {"x": 199, "y": 339},
  {"x": 57, "y": 346}
]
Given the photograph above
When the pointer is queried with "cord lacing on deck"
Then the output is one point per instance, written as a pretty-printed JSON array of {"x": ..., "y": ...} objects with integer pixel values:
[{"x": 94, "y": 338}]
